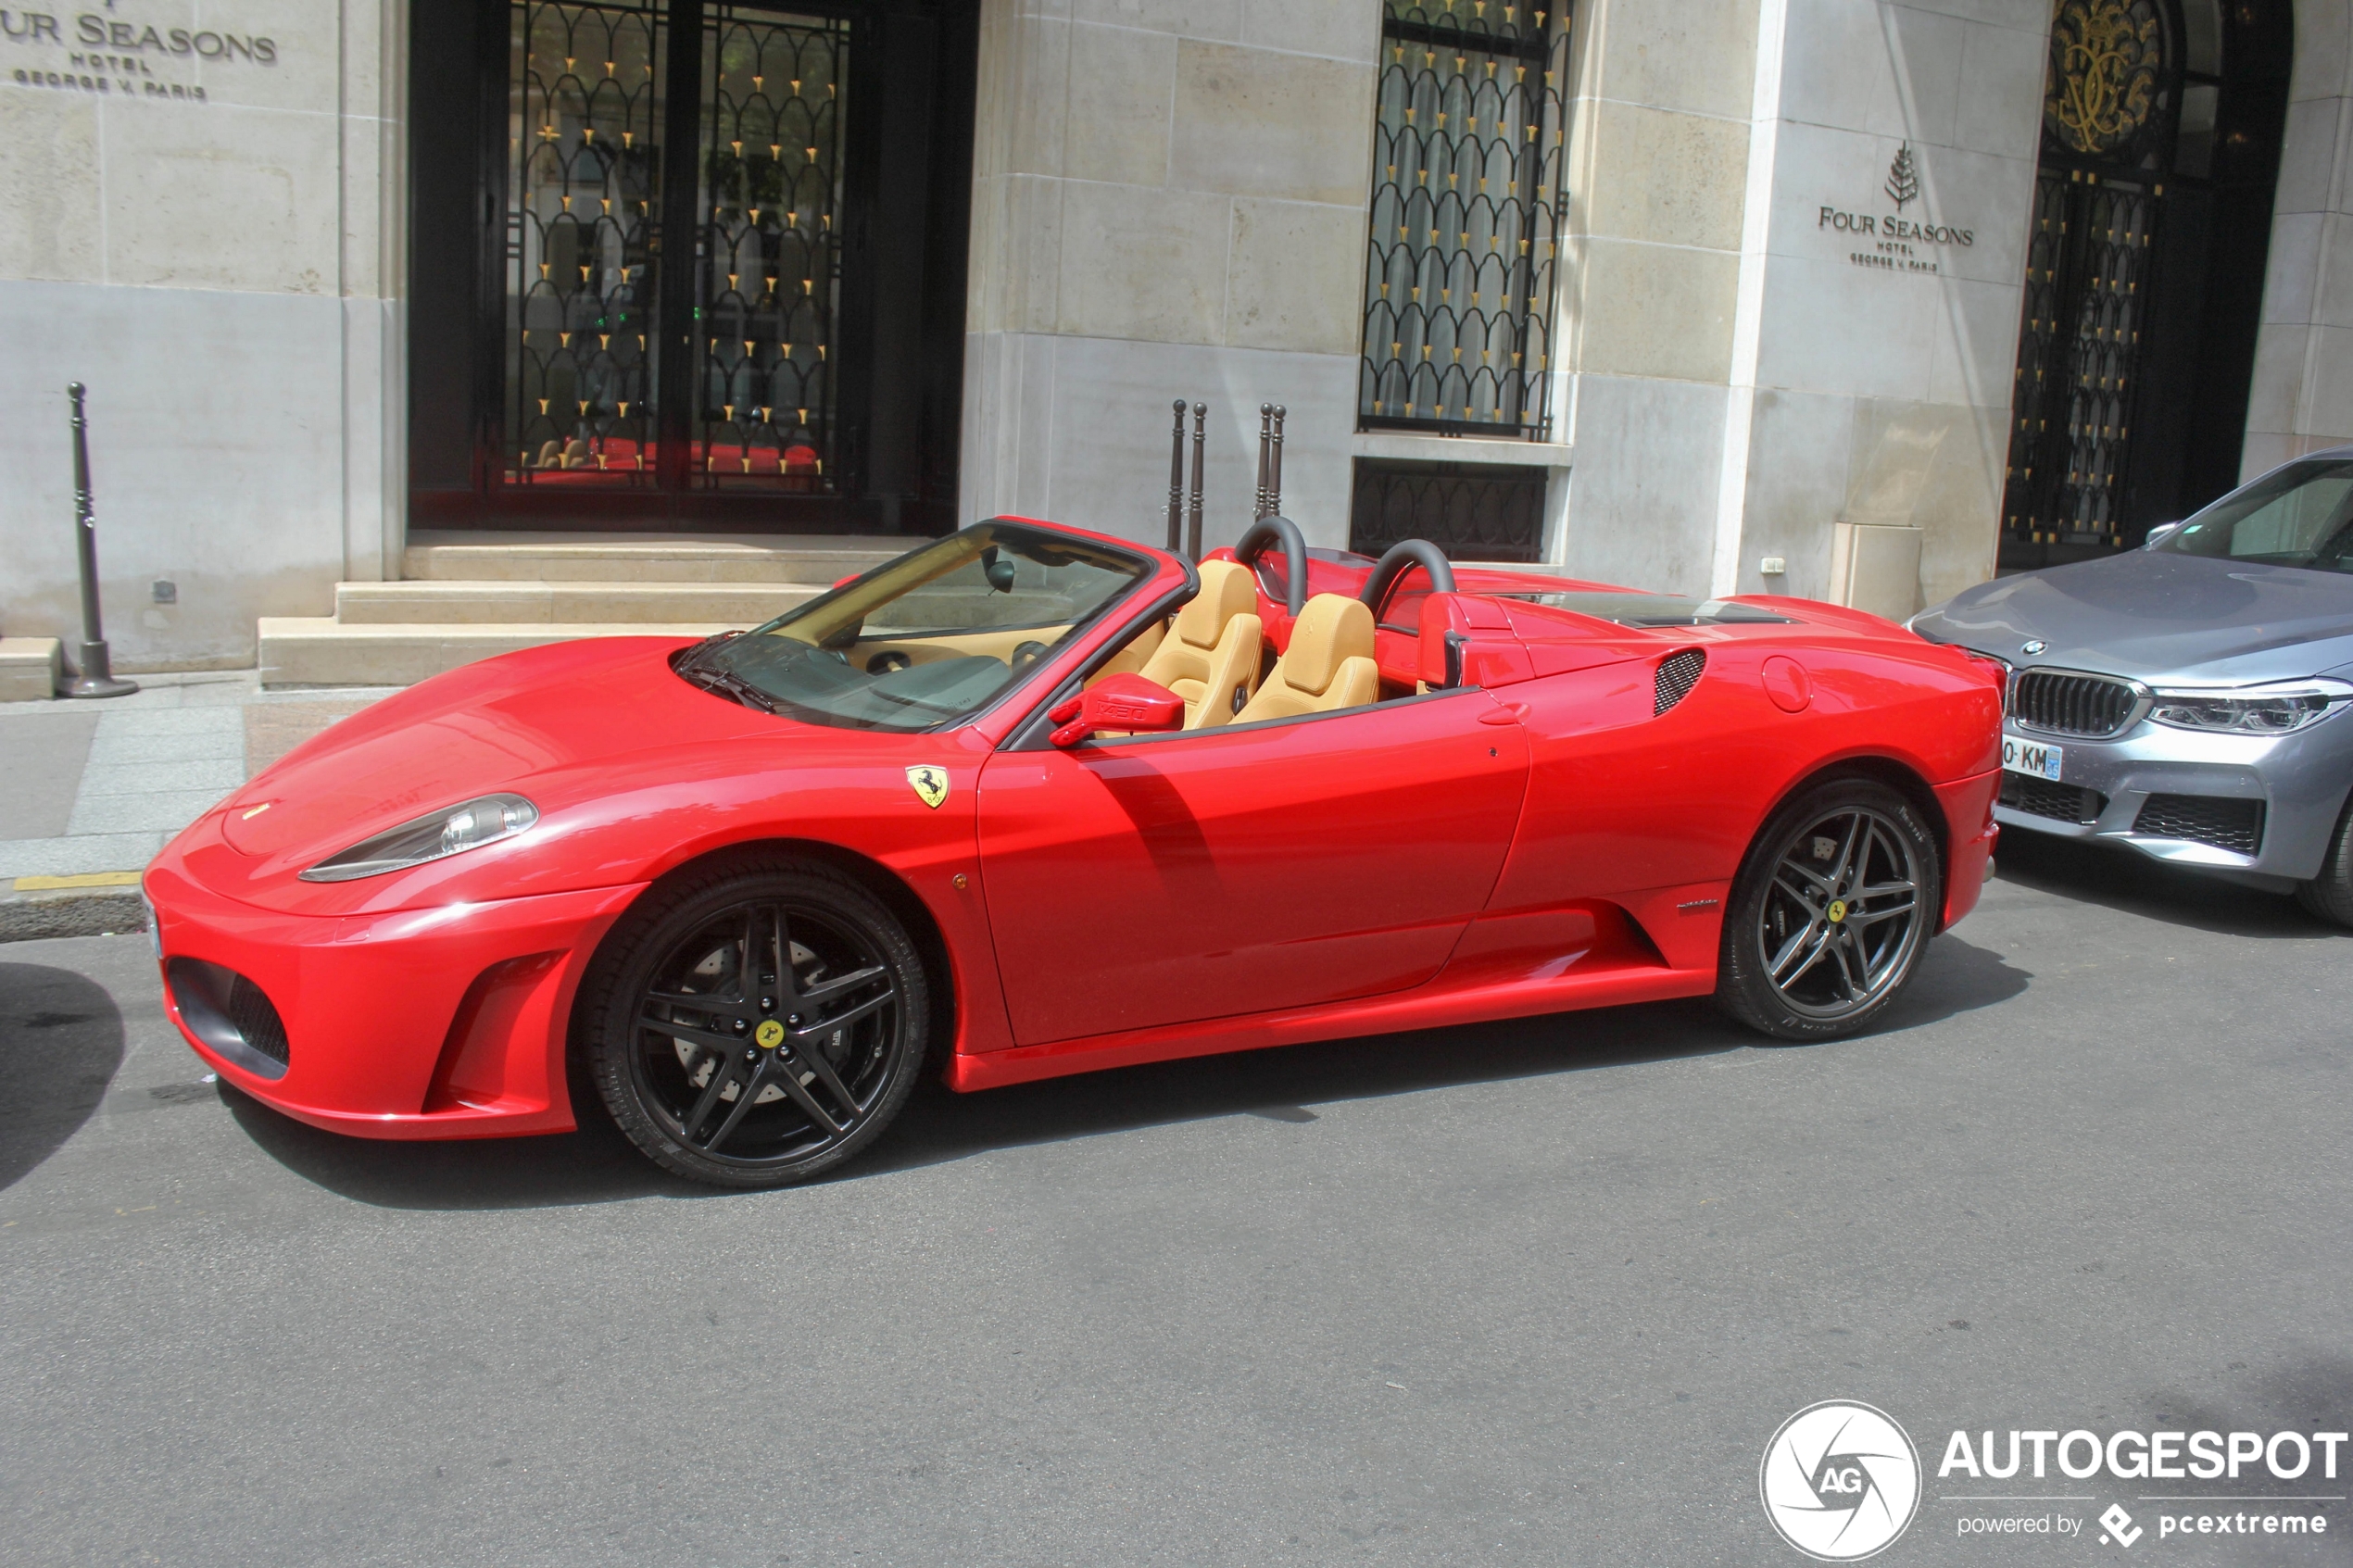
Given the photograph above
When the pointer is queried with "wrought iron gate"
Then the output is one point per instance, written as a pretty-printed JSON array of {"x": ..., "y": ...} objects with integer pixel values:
[
  {"x": 605, "y": 385},
  {"x": 2079, "y": 356}
]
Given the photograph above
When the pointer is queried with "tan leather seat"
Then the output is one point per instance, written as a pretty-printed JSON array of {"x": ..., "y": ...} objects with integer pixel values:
[
  {"x": 1210, "y": 656},
  {"x": 1329, "y": 664}
]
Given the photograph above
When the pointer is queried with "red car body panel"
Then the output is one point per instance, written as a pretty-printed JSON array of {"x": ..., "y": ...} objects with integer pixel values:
[{"x": 1535, "y": 840}]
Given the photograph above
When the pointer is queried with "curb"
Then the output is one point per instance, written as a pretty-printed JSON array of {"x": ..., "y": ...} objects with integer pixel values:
[{"x": 78, "y": 912}]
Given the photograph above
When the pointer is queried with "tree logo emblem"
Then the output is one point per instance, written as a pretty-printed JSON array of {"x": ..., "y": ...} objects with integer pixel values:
[
  {"x": 1903, "y": 178},
  {"x": 1841, "y": 1481}
]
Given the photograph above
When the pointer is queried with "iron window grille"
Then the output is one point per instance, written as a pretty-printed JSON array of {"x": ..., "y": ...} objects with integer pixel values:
[
  {"x": 1472, "y": 511},
  {"x": 1468, "y": 199}
]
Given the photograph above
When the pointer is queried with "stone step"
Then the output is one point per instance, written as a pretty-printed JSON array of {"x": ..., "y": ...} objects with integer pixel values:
[
  {"x": 29, "y": 668},
  {"x": 817, "y": 560},
  {"x": 566, "y": 602},
  {"x": 317, "y": 651}
]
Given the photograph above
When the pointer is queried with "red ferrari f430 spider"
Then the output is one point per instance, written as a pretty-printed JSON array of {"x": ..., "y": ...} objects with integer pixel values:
[{"x": 1029, "y": 800}]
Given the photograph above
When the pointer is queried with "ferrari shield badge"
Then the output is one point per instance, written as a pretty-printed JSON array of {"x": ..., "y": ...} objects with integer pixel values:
[{"x": 931, "y": 784}]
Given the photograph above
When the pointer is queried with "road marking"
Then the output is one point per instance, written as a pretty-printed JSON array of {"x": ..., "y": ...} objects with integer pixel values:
[{"x": 85, "y": 879}]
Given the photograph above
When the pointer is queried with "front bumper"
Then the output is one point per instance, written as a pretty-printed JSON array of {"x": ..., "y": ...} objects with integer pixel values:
[
  {"x": 446, "y": 1022},
  {"x": 2286, "y": 790}
]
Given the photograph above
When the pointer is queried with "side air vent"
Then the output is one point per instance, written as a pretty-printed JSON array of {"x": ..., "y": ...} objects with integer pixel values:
[{"x": 1676, "y": 678}]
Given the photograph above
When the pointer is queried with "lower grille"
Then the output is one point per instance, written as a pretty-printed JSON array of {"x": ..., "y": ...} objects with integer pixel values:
[
  {"x": 2235, "y": 825},
  {"x": 231, "y": 1015},
  {"x": 2062, "y": 803}
]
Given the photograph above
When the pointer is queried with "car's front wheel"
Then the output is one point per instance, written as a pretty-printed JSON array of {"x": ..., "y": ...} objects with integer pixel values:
[
  {"x": 756, "y": 1024},
  {"x": 2329, "y": 895},
  {"x": 1830, "y": 914}
]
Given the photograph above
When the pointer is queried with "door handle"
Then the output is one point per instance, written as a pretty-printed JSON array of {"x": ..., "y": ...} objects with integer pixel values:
[{"x": 1510, "y": 714}]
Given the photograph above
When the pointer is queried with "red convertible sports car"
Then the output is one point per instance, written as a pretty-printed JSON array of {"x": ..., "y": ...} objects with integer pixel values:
[{"x": 1029, "y": 801}]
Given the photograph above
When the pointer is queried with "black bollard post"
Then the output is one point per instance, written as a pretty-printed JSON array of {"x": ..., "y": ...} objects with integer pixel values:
[
  {"x": 1192, "y": 503},
  {"x": 1177, "y": 480},
  {"x": 96, "y": 666},
  {"x": 1274, "y": 467}
]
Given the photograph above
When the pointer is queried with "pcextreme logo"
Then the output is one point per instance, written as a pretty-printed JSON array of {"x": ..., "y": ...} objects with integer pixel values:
[{"x": 1841, "y": 1481}]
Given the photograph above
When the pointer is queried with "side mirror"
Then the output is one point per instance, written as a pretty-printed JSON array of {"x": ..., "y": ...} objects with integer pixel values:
[
  {"x": 2158, "y": 534},
  {"x": 1121, "y": 702},
  {"x": 999, "y": 573}
]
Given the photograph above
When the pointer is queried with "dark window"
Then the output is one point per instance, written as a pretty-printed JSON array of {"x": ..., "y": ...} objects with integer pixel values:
[
  {"x": 1472, "y": 511},
  {"x": 1466, "y": 206}
]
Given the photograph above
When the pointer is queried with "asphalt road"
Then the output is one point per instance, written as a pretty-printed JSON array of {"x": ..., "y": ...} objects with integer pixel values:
[{"x": 1529, "y": 1293}]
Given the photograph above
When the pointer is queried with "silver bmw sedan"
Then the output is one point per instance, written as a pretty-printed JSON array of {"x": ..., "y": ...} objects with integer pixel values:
[{"x": 2187, "y": 700}]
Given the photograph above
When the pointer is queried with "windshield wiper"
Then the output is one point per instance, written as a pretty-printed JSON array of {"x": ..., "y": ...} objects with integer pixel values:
[
  {"x": 726, "y": 682},
  {"x": 693, "y": 656}
]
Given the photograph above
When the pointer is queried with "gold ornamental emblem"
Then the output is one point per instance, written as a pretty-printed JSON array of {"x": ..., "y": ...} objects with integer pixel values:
[
  {"x": 770, "y": 1034},
  {"x": 930, "y": 784}
]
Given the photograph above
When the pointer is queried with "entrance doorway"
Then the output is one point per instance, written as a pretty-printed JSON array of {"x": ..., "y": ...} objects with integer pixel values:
[
  {"x": 2144, "y": 265},
  {"x": 686, "y": 264}
]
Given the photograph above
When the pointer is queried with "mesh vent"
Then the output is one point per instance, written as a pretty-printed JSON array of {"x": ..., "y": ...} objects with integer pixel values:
[
  {"x": 257, "y": 1020},
  {"x": 1676, "y": 679},
  {"x": 2061, "y": 803},
  {"x": 2235, "y": 825},
  {"x": 2065, "y": 704}
]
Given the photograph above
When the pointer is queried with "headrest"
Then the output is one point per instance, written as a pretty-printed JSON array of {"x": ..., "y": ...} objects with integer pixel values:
[
  {"x": 1226, "y": 590},
  {"x": 1332, "y": 628}
]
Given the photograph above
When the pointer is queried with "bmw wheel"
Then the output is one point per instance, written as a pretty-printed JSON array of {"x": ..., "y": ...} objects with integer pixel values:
[
  {"x": 2329, "y": 895},
  {"x": 1830, "y": 913},
  {"x": 756, "y": 1025}
]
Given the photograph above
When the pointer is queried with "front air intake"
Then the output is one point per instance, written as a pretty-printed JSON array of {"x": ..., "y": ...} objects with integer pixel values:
[
  {"x": 1675, "y": 680},
  {"x": 231, "y": 1015}
]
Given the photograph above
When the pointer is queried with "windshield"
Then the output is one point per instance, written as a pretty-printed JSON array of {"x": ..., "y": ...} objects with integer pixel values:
[
  {"x": 934, "y": 636},
  {"x": 2300, "y": 516}
]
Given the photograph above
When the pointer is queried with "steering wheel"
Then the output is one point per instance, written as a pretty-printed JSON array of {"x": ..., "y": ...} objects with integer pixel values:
[
  {"x": 1400, "y": 558},
  {"x": 1271, "y": 529}
]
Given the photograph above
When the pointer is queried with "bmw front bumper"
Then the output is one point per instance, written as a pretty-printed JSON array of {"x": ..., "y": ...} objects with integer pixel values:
[{"x": 2154, "y": 786}]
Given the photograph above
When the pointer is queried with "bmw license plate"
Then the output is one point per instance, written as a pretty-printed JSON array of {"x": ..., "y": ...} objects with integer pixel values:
[{"x": 2031, "y": 757}]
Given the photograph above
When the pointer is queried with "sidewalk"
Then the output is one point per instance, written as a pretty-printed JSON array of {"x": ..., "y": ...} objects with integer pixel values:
[{"x": 94, "y": 788}]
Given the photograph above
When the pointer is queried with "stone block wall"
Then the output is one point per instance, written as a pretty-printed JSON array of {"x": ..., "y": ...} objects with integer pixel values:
[{"x": 199, "y": 225}]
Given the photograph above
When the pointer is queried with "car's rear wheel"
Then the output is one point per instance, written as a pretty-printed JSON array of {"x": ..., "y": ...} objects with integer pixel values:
[
  {"x": 2329, "y": 895},
  {"x": 756, "y": 1025},
  {"x": 1830, "y": 914}
]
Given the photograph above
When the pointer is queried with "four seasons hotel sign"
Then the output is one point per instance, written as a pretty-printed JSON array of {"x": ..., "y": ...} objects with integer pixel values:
[
  {"x": 1897, "y": 244},
  {"x": 110, "y": 55}
]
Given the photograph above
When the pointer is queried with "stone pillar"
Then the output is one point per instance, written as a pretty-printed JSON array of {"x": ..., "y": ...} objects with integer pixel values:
[
  {"x": 1169, "y": 200},
  {"x": 2301, "y": 397}
]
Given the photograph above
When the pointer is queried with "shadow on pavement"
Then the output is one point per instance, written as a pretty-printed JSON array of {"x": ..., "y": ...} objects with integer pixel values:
[
  {"x": 2122, "y": 879},
  {"x": 596, "y": 1165},
  {"x": 61, "y": 1040}
]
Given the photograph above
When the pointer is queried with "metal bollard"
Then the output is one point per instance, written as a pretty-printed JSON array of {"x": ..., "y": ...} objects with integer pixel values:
[
  {"x": 1274, "y": 467},
  {"x": 1192, "y": 504},
  {"x": 96, "y": 666},
  {"x": 1177, "y": 480}
]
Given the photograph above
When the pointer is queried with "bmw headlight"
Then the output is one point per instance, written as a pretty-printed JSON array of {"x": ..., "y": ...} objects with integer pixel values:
[
  {"x": 451, "y": 831},
  {"x": 2251, "y": 710}
]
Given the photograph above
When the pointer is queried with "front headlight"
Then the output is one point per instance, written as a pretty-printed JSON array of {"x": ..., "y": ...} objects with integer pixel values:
[
  {"x": 450, "y": 830},
  {"x": 2251, "y": 710}
]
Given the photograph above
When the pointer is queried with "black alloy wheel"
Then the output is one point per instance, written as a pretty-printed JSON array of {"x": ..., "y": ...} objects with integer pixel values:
[
  {"x": 1833, "y": 907},
  {"x": 756, "y": 1025}
]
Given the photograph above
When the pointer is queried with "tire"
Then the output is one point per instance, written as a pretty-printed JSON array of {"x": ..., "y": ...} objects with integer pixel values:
[
  {"x": 765, "y": 1085},
  {"x": 2329, "y": 895},
  {"x": 1833, "y": 907}
]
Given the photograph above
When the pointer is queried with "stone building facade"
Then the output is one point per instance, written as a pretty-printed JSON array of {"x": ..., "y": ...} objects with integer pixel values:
[{"x": 1748, "y": 289}]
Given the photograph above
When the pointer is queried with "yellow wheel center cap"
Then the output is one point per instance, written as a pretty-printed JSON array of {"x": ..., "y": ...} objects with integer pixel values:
[
  {"x": 1837, "y": 912},
  {"x": 770, "y": 1034}
]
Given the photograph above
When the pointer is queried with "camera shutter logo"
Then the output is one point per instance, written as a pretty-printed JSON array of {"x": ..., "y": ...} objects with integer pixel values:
[{"x": 1841, "y": 1481}]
